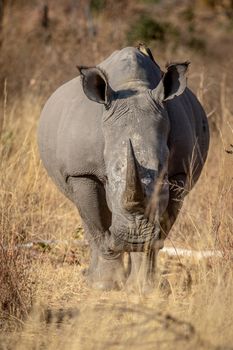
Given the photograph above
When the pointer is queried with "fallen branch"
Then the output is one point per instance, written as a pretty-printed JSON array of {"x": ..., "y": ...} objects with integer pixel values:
[
  {"x": 197, "y": 254},
  {"x": 171, "y": 251}
]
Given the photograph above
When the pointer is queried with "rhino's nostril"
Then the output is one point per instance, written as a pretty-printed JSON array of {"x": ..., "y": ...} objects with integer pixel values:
[{"x": 146, "y": 180}]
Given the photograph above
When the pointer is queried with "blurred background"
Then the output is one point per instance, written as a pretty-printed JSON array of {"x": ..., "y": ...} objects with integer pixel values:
[{"x": 42, "y": 42}]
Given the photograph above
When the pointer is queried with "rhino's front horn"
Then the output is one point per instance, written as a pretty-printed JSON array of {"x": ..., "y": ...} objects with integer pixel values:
[{"x": 133, "y": 196}]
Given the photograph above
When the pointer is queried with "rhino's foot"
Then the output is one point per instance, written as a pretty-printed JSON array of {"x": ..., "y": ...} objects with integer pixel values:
[{"x": 107, "y": 274}]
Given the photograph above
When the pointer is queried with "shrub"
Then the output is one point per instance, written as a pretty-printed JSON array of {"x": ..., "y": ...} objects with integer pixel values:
[
  {"x": 196, "y": 44},
  {"x": 97, "y": 5},
  {"x": 151, "y": 1},
  {"x": 147, "y": 29}
]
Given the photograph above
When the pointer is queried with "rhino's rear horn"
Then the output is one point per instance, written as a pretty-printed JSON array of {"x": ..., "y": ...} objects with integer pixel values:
[{"x": 133, "y": 196}]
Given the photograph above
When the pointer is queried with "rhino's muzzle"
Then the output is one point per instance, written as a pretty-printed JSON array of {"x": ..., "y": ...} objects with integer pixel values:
[
  {"x": 138, "y": 237},
  {"x": 135, "y": 243},
  {"x": 139, "y": 229}
]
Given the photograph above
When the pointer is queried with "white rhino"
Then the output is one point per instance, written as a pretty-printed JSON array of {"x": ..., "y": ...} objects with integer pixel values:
[{"x": 125, "y": 143}]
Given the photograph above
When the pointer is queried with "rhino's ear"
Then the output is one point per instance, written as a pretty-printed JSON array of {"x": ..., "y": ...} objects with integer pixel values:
[
  {"x": 173, "y": 82},
  {"x": 95, "y": 84}
]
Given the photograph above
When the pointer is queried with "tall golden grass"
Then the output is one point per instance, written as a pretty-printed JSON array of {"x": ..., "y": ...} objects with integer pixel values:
[
  {"x": 45, "y": 302},
  {"x": 44, "y": 291}
]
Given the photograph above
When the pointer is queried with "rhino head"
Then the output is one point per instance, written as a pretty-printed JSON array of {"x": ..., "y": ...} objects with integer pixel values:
[{"x": 135, "y": 127}]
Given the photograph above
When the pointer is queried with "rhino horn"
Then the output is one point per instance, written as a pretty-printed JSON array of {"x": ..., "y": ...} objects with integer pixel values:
[{"x": 133, "y": 196}]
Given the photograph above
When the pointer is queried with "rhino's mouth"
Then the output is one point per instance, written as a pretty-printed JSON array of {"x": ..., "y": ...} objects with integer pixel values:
[
  {"x": 141, "y": 231},
  {"x": 135, "y": 238}
]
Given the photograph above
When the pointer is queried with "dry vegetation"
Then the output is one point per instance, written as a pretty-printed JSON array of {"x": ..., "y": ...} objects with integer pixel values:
[{"x": 44, "y": 300}]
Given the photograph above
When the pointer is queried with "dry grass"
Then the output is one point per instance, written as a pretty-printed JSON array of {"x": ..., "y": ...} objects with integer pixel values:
[
  {"x": 43, "y": 290},
  {"x": 17, "y": 282},
  {"x": 192, "y": 304}
]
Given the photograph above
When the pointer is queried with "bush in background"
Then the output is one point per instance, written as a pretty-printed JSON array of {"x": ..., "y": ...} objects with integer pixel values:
[{"x": 148, "y": 29}]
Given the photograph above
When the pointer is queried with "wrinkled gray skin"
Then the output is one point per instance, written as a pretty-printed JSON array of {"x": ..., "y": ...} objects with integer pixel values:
[{"x": 125, "y": 142}]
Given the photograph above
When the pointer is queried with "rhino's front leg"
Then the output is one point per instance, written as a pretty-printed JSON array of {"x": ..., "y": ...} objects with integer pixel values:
[
  {"x": 143, "y": 269},
  {"x": 106, "y": 270}
]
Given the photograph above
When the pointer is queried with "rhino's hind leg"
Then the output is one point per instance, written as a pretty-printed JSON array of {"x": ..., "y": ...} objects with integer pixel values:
[{"x": 106, "y": 270}]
